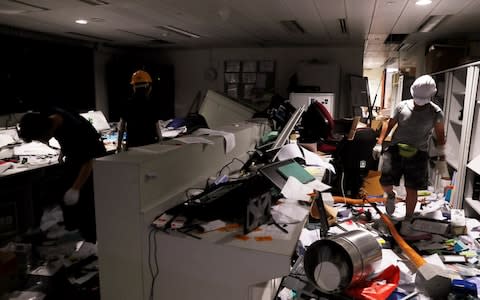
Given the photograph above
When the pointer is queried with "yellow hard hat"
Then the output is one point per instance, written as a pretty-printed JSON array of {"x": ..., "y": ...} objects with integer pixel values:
[{"x": 140, "y": 77}]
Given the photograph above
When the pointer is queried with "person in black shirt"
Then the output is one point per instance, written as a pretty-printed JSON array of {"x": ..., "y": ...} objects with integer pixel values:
[
  {"x": 139, "y": 118},
  {"x": 80, "y": 145}
]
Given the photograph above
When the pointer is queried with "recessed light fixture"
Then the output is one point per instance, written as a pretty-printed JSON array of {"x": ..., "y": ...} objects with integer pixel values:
[
  {"x": 423, "y": 2},
  {"x": 81, "y": 21}
]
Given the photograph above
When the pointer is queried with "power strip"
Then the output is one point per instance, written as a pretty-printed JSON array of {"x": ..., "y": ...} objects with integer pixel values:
[{"x": 431, "y": 226}]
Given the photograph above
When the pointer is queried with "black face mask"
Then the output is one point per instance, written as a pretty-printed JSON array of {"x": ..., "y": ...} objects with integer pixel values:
[{"x": 142, "y": 92}]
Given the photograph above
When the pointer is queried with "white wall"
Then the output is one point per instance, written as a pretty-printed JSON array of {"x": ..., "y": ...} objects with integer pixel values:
[
  {"x": 191, "y": 65},
  {"x": 374, "y": 84},
  {"x": 100, "y": 59}
]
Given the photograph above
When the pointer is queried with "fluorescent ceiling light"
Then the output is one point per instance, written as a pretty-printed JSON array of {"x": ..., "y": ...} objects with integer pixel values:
[
  {"x": 423, "y": 2},
  {"x": 179, "y": 31},
  {"x": 81, "y": 21},
  {"x": 431, "y": 23}
]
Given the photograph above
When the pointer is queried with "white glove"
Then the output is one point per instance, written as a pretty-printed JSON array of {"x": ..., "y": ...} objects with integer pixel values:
[
  {"x": 442, "y": 169},
  {"x": 377, "y": 151},
  {"x": 71, "y": 197}
]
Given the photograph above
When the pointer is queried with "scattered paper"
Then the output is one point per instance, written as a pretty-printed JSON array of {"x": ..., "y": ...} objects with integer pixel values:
[
  {"x": 171, "y": 133},
  {"x": 34, "y": 148},
  {"x": 289, "y": 213},
  {"x": 294, "y": 189},
  {"x": 228, "y": 136},
  {"x": 194, "y": 140},
  {"x": 308, "y": 237},
  {"x": 6, "y": 139},
  {"x": 289, "y": 151}
]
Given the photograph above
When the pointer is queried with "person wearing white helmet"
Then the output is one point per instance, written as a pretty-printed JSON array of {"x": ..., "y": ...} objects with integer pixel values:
[{"x": 407, "y": 154}]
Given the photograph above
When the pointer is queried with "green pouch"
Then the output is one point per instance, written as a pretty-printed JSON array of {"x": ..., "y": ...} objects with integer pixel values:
[{"x": 406, "y": 151}]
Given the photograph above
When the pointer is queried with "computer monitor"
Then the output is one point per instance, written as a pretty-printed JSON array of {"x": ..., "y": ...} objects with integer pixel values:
[
  {"x": 268, "y": 153},
  {"x": 284, "y": 134}
]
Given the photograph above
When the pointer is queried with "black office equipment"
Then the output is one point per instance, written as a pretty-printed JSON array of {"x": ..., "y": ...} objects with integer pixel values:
[
  {"x": 267, "y": 153},
  {"x": 352, "y": 161},
  {"x": 245, "y": 201},
  {"x": 324, "y": 226}
]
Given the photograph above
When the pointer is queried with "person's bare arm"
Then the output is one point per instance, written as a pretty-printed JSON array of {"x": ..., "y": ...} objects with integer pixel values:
[
  {"x": 386, "y": 128},
  {"x": 83, "y": 174}
]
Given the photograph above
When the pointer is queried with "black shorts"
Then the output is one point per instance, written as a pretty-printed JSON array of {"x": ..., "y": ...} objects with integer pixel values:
[{"x": 414, "y": 169}]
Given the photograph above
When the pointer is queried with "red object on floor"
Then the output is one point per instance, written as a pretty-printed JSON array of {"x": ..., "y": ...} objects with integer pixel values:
[{"x": 379, "y": 288}]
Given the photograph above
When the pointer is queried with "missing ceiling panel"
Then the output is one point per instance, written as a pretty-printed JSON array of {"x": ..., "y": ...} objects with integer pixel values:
[
  {"x": 24, "y": 5},
  {"x": 94, "y": 2},
  {"x": 395, "y": 38},
  {"x": 292, "y": 26},
  {"x": 88, "y": 36}
]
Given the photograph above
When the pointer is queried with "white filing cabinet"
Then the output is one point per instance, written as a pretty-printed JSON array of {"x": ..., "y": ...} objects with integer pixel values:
[{"x": 132, "y": 188}]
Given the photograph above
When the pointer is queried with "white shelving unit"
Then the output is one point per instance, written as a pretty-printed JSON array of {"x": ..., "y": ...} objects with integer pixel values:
[{"x": 461, "y": 108}]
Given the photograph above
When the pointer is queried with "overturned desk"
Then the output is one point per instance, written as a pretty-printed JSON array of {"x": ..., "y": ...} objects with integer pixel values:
[{"x": 133, "y": 188}]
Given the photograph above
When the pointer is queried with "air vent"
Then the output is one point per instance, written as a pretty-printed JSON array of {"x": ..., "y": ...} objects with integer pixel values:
[
  {"x": 292, "y": 26},
  {"x": 343, "y": 25},
  {"x": 23, "y": 4},
  {"x": 395, "y": 38},
  {"x": 178, "y": 31},
  {"x": 94, "y": 2},
  {"x": 92, "y": 37}
]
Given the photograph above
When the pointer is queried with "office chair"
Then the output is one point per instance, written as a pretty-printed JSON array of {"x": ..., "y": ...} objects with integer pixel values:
[{"x": 318, "y": 127}]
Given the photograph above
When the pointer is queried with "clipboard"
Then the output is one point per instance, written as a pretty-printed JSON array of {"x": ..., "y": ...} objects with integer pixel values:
[{"x": 297, "y": 171}]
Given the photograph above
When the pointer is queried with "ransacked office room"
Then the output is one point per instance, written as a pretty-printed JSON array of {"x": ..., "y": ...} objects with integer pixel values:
[{"x": 263, "y": 150}]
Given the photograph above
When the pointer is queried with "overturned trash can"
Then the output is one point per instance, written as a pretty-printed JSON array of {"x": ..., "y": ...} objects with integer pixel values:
[{"x": 334, "y": 264}]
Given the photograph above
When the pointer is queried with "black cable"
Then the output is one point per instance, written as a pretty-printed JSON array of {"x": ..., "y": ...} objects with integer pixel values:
[
  {"x": 153, "y": 273},
  {"x": 149, "y": 260},
  {"x": 226, "y": 166}
]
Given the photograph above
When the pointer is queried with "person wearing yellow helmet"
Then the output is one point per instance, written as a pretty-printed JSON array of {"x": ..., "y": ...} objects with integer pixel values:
[{"x": 139, "y": 117}]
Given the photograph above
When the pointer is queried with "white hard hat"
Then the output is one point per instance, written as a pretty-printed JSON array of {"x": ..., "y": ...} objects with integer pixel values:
[{"x": 422, "y": 89}]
